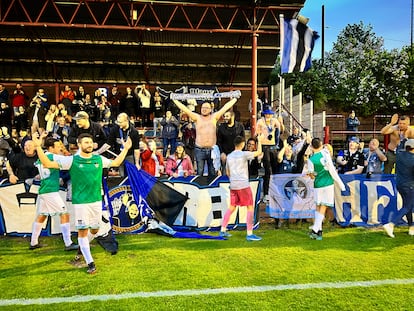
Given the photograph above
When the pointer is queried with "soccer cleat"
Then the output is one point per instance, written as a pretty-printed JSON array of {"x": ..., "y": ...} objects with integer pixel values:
[
  {"x": 91, "y": 268},
  {"x": 253, "y": 237},
  {"x": 316, "y": 236},
  {"x": 72, "y": 247},
  {"x": 224, "y": 234},
  {"x": 32, "y": 247},
  {"x": 389, "y": 229},
  {"x": 411, "y": 230}
]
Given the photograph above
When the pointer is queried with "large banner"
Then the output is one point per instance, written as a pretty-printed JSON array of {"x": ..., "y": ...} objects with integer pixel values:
[
  {"x": 365, "y": 202},
  {"x": 203, "y": 210},
  {"x": 291, "y": 196}
]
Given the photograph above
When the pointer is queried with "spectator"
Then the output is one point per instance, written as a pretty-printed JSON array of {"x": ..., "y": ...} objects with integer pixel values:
[
  {"x": 21, "y": 121},
  {"x": 90, "y": 108},
  {"x": 43, "y": 97},
  {"x": 399, "y": 130},
  {"x": 169, "y": 132},
  {"x": 226, "y": 133},
  {"x": 285, "y": 159},
  {"x": 152, "y": 160},
  {"x": 21, "y": 166},
  {"x": 158, "y": 110},
  {"x": 85, "y": 126},
  {"x": 119, "y": 134},
  {"x": 188, "y": 135},
  {"x": 36, "y": 115},
  {"x": 4, "y": 94},
  {"x": 5, "y": 116},
  {"x": 351, "y": 160},
  {"x": 374, "y": 158},
  {"x": 67, "y": 97},
  {"x": 179, "y": 164},
  {"x": 18, "y": 98},
  {"x": 206, "y": 126},
  {"x": 114, "y": 99},
  {"x": 294, "y": 136},
  {"x": 129, "y": 104},
  {"x": 50, "y": 117},
  {"x": 352, "y": 122},
  {"x": 322, "y": 170},
  {"x": 405, "y": 186},
  {"x": 79, "y": 100},
  {"x": 144, "y": 98},
  {"x": 61, "y": 131},
  {"x": 256, "y": 163},
  {"x": 49, "y": 201},
  {"x": 271, "y": 129}
]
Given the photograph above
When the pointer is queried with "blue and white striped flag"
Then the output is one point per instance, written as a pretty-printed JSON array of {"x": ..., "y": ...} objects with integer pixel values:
[{"x": 297, "y": 42}]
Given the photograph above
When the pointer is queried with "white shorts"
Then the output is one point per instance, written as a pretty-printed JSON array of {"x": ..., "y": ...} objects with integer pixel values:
[
  {"x": 325, "y": 196},
  {"x": 51, "y": 204},
  {"x": 88, "y": 215}
]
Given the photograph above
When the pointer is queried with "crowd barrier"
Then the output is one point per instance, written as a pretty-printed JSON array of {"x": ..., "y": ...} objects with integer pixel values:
[
  {"x": 204, "y": 208},
  {"x": 365, "y": 202}
]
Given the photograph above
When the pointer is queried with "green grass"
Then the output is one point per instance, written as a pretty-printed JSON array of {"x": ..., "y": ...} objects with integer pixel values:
[{"x": 148, "y": 263}]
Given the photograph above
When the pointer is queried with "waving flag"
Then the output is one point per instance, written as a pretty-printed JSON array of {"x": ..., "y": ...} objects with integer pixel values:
[
  {"x": 158, "y": 205},
  {"x": 297, "y": 42}
]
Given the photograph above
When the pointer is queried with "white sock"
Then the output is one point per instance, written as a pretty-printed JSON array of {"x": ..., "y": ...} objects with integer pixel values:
[
  {"x": 91, "y": 236},
  {"x": 85, "y": 249},
  {"x": 65, "y": 228},
  {"x": 37, "y": 228},
  {"x": 318, "y": 221}
]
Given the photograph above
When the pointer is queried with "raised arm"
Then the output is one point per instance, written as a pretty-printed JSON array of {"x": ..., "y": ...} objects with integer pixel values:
[
  {"x": 120, "y": 158},
  {"x": 389, "y": 128},
  {"x": 41, "y": 154},
  {"x": 184, "y": 108},
  {"x": 226, "y": 107}
]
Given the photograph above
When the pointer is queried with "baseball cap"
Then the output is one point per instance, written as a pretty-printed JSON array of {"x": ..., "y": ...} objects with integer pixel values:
[
  {"x": 81, "y": 115},
  {"x": 354, "y": 139},
  {"x": 409, "y": 143},
  {"x": 180, "y": 144}
]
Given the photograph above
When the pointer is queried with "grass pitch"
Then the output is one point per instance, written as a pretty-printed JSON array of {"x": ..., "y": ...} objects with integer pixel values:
[{"x": 157, "y": 265}]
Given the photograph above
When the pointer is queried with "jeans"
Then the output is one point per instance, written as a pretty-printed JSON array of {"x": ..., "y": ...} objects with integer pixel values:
[
  {"x": 203, "y": 155},
  {"x": 270, "y": 165},
  {"x": 166, "y": 142}
]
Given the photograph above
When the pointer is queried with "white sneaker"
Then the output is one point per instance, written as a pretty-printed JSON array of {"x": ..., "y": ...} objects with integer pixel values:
[
  {"x": 411, "y": 230},
  {"x": 389, "y": 228},
  {"x": 266, "y": 198}
]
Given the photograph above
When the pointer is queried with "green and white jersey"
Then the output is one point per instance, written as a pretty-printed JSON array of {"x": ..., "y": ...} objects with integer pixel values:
[
  {"x": 319, "y": 165},
  {"x": 86, "y": 176},
  {"x": 49, "y": 177}
]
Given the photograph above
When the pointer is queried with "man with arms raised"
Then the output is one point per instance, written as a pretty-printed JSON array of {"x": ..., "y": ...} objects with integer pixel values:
[
  {"x": 206, "y": 126},
  {"x": 399, "y": 130},
  {"x": 85, "y": 169}
]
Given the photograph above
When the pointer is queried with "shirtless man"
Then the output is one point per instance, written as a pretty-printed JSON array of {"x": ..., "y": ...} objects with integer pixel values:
[
  {"x": 206, "y": 126},
  {"x": 399, "y": 130}
]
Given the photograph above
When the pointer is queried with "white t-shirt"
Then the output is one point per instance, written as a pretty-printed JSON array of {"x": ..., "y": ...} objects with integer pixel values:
[{"x": 237, "y": 163}]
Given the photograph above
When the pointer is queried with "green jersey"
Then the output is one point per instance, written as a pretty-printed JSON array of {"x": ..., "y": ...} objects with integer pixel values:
[
  {"x": 49, "y": 177},
  {"x": 86, "y": 176},
  {"x": 320, "y": 163}
]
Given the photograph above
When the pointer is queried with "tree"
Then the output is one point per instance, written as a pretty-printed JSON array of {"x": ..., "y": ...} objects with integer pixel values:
[{"x": 360, "y": 74}]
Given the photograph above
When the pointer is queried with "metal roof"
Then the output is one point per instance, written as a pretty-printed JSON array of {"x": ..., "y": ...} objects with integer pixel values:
[{"x": 157, "y": 42}]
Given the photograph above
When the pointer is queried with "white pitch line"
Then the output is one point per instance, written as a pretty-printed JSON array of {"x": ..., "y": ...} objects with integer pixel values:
[{"x": 208, "y": 291}]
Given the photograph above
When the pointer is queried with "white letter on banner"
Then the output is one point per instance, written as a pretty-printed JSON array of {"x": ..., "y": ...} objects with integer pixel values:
[
  {"x": 353, "y": 199},
  {"x": 374, "y": 201}
]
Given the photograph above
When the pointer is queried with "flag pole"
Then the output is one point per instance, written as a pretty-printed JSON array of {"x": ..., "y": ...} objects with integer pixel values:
[{"x": 282, "y": 39}]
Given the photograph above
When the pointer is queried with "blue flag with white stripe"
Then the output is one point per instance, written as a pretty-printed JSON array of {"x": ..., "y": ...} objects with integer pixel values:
[{"x": 298, "y": 42}]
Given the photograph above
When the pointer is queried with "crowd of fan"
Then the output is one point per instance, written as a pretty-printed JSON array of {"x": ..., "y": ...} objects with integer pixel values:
[{"x": 101, "y": 115}]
